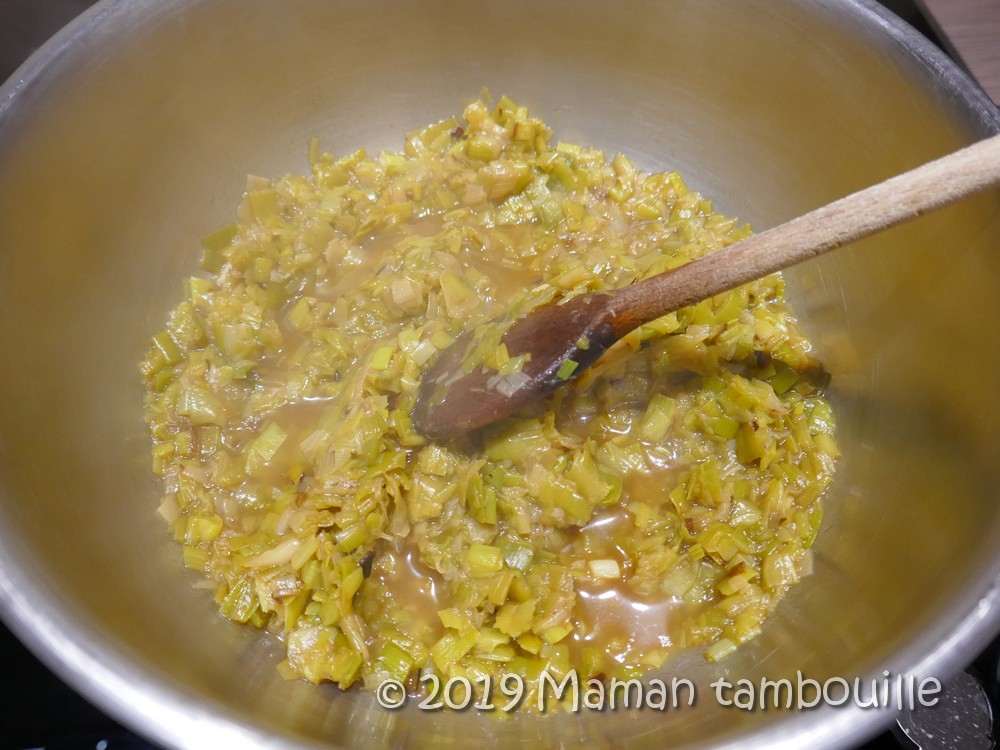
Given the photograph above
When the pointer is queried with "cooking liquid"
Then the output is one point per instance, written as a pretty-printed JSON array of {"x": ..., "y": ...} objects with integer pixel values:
[
  {"x": 295, "y": 318},
  {"x": 610, "y": 617},
  {"x": 408, "y": 591}
]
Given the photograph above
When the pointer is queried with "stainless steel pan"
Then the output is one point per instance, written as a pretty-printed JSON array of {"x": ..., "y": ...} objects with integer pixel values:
[{"x": 128, "y": 136}]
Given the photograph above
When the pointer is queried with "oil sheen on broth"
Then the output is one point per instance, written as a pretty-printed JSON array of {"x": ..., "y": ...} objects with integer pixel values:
[{"x": 665, "y": 499}]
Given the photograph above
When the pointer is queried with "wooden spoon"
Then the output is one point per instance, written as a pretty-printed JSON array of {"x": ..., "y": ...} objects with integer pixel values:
[{"x": 582, "y": 328}]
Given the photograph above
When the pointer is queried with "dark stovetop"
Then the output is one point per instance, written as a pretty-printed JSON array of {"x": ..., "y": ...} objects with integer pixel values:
[{"x": 45, "y": 714}]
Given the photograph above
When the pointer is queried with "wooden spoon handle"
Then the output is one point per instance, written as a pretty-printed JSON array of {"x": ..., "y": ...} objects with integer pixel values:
[{"x": 926, "y": 188}]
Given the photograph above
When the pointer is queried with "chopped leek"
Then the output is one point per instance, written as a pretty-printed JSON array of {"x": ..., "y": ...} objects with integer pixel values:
[{"x": 685, "y": 469}]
